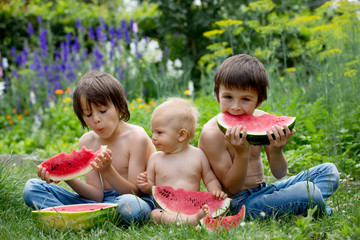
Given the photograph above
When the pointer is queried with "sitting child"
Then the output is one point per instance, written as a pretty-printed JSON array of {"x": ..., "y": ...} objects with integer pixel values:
[{"x": 176, "y": 163}]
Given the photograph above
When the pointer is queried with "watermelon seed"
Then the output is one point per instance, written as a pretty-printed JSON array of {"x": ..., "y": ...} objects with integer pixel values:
[
  {"x": 69, "y": 163},
  {"x": 63, "y": 209},
  {"x": 57, "y": 165}
]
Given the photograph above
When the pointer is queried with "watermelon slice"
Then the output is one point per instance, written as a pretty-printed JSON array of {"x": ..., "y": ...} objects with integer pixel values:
[
  {"x": 78, "y": 216},
  {"x": 223, "y": 223},
  {"x": 188, "y": 202},
  {"x": 256, "y": 126},
  {"x": 68, "y": 166}
]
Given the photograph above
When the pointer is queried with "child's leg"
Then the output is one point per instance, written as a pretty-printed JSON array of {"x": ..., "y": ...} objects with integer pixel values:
[
  {"x": 133, "y": 208},
  {"x": 296, "y": 194},
  {"x": 45, "y": 195},
  {"x": 161, "y": 216}
]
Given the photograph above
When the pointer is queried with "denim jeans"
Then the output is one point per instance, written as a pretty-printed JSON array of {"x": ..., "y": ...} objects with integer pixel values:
[
  {"x": 294, "y": 195},
  {"x": 43, "y": 195}
]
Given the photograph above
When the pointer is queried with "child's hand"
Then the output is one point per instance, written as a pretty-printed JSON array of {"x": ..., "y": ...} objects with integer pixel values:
[
  {"x": 281, "y": 138},
  {"x": 219, "y": 194},
  {"x": 142, "y": 182},
  {"x": 102, "y": 162},
  {"x": 232, "y": 135},
  {"x": 44, "y": 175}
]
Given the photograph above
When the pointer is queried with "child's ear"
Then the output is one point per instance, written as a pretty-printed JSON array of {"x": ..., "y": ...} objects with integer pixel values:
[{"x": 183, "y": 133}]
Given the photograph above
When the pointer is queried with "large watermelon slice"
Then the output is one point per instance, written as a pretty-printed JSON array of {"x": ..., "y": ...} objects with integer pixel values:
[
  {"x": 68, "y": 166},
  {"x": 223, "y": 223},
  {"x": 188, "y": 202},
  {"x": 78, "y": 216},
  {"x": 256, "y": 125}
]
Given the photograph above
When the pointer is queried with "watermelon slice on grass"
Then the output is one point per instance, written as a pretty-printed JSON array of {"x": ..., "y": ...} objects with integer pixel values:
[
  {"x": 69, "y": 166},
  {"x": 76, "y": 217},
  {"x": 223, "y": 223},
  {"x": 188, "y": 202},
  {"x": 256, "y": 126}
]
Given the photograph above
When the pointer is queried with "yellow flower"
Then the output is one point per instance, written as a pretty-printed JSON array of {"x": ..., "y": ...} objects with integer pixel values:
[
  {"x": 68, "y": 90},
  {"x": 228, "y": 23},
  {"x": 11, "y": 122},
  {"x": 290, "y": 69},
  {"x": 59, "y": 91},
  {"x": 350, "y": 73},
  {"x": 66, "y": 100},
  {"x": 26, "y": 111},
  {"x": 213, "y": 33},
  {"x": 138, "y": 99},
  {"x": 19, "y": 116},
  {"x": 8, "y": 116},
  {"x": 14, "y": 110},
  {"x": 187, "y": 92}
]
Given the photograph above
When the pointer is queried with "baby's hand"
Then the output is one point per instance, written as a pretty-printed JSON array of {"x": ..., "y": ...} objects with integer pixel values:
[
  {"x": 44, "y": 175},
  {"x": 102, "y": 162},
  {"x": 281, "y": 138},
  {"x": 219, "y": 194},
  {"x": 232, "y": 135},
  {"x": 142, "y": 182}
]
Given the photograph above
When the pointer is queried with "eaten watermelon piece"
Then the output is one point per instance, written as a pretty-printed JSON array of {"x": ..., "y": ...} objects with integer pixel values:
[
  {"x": 69, "y": 166},
  {"x": 188, "y": 202},
  {"x": 77, "y": 216},
  {"x": 256, "y": 126},
  {"x": 223, "y": 223}
]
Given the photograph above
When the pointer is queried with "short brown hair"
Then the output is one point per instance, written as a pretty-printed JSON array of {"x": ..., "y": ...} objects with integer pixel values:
[
  {"x": 99, "y": 89},
  {"x": 180, "y": 111},
  {"x": 243, "y": 72}
]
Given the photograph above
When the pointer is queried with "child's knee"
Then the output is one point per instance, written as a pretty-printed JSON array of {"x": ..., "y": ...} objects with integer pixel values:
[
  {"x": 310, "y": 192},
  {"x": 29, "y": 188}
]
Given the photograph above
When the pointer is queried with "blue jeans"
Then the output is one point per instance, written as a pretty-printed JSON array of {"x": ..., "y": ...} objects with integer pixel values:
[
  {"x": 294, "y": 195},
  {"x": 43, "y": 195}
]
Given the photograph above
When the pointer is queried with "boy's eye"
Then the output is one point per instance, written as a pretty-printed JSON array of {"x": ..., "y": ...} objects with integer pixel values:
[
  {"x": 88, "y": 115},
  {"x": 104, "y": 111},
  {"x": 227, "y": 97}
]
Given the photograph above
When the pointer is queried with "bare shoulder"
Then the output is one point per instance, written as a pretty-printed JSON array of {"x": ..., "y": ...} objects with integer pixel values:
[
  {"x": 210, "y": 134},
  {"x": 89, "y": 140}
]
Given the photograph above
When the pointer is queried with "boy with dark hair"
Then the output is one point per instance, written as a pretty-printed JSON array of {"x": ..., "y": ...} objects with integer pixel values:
[{"x": 241, "y": 84}]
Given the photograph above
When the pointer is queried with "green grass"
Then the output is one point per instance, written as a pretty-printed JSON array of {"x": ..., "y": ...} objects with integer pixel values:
[{"x": 17, "y": 223}]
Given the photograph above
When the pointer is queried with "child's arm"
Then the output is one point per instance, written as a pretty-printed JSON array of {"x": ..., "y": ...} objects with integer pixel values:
[
  {"x": 145, "y": 180},
  {"x": 231, "y": 171},
  {"x": 274, "y": 151},
  {"x": 210, "y": 180}
]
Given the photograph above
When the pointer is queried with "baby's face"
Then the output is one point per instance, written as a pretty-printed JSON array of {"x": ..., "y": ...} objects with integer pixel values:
[
  {"x": 165, "y": 135},
  {"x": 238, "y": 102}
]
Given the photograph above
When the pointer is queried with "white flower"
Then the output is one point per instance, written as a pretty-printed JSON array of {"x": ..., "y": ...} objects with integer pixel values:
[
  {"x": 242, "y": 224},
  {"x": 2, "y": 87},
  {"x": 178, "y": 63},
  {"x": 32, "y": 97},
  {"x": 5, "y": 62},
  {"x": 262, "y": 214}
]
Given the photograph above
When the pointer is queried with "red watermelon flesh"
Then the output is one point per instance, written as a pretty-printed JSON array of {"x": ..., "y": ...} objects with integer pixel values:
[
  {"x": 68, "y": 166},
  {"x": 223, "y": 223},
  {"x": 256, "y": 126},
  {"x": 188, "y": 202}
]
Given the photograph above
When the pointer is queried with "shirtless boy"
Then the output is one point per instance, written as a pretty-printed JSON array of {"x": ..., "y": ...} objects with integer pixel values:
[
  {"x": 240, "y": 86},
  {"x": 100, "y": 104}
]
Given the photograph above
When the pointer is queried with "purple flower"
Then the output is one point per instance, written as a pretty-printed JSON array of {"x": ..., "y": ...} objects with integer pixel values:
[
  {"x": 119, "y": 73},
  {"x": 15, "y": 73},
  {"x": 43, "y": 42},
  {"x": 77, "y": 23},
  {"x": 100, "y": 36},
  {"x": 102, "y": 22},
  {"x": 76, "y": 45},
  {"x": 18, "y": 59},
  {"x": 131, "y": 25},
  {"x": 119, "y": 33},
  {"x": 123, "y": 24},
  {"x": 91, "y": 33},
  {"x": 98, "y": 58},
  {"x": 68, "y": 38},
  {"x": 126, "y": 36},
  {"x": 30, "y": 29},
  {"x": 85, "y": 52},
  {"x": 7, "y": 84},
  {"x": 12, "y": 51},
  {"x": 39, "y": 19}
]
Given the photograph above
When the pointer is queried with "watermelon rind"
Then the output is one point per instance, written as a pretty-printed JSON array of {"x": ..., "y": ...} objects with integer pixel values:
[
  {"x": 254, "y": 138},
  {"x": 74, "y": 174},
  {"x": 223, "y": 223},
  {"x": 48, "y": 219},
  {"x": 182, "y": 206}
]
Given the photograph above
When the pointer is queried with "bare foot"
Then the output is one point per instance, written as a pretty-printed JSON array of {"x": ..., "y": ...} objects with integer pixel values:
[{"x": 194, "y": 219}]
